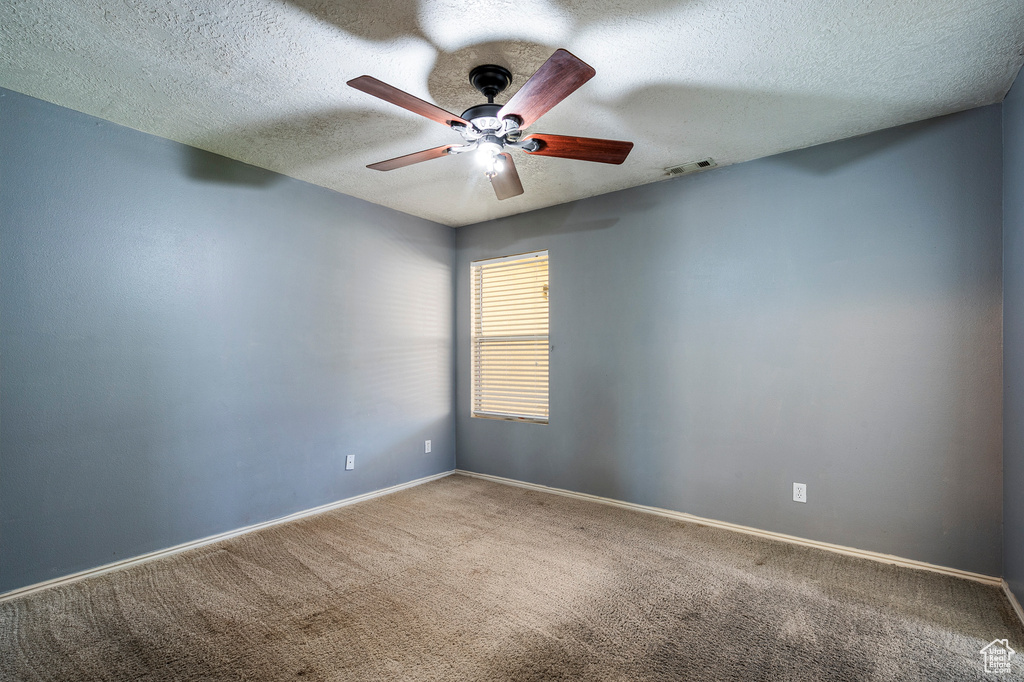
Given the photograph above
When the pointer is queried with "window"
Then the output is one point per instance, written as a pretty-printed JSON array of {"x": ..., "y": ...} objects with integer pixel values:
[{"x": 510, "y": 338}]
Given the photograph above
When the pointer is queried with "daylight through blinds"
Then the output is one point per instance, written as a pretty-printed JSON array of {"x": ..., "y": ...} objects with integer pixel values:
[{"x": 510, "y": 337}]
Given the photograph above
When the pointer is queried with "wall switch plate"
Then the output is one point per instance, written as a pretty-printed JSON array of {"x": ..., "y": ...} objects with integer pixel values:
[
  {"x": 350, "y": 462},
  {"x": 426, "y": 446},
  {"x": 800, "y": 492}
]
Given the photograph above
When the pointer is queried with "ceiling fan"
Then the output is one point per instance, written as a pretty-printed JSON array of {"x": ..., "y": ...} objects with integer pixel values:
[{"x": 489, "y": 128}]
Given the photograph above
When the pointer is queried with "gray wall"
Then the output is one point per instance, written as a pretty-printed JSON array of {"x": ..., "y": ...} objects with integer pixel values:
[
  {"x": 191, "y": 345},
  {"x": 1013, "y": 338},
  {"x": 830, "y": 316}
]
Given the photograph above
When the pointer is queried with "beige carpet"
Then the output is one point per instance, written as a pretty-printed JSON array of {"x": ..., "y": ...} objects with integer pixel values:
[{"x": 462, "y": 579}]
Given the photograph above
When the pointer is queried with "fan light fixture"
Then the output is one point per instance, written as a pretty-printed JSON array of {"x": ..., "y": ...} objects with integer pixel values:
[{"x": 489, "y": 154}]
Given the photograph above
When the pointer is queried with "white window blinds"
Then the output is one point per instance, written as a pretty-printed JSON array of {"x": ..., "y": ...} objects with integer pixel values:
[{"x": 510, "y": 337}]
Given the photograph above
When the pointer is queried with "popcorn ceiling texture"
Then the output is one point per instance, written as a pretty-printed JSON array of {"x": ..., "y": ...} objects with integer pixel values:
[{"x": 263, "y": 81}]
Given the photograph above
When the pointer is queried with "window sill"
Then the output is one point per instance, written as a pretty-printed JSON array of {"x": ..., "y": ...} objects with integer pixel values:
[{"x": 509, "y": 418}]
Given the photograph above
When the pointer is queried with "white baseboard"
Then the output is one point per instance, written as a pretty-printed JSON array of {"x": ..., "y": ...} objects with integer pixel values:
[
  {"x": 1013, "y": 602},
  {"x": 792, "y": 539},
  {"x": 840, "y": 549},
  {"x": 125, "y": 563}
]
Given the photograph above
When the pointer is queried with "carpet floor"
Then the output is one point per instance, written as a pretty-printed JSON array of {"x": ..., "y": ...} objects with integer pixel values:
[{"x": 463, "y": 579}]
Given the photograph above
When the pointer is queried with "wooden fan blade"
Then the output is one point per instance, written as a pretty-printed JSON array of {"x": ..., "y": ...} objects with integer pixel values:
[
  {"x": 390, "y": 93},
  {"x": 558, "y": 78},
  {"x": 409, "y": 159},
  {"x": 582, "y": 148},
  {"x": 506, "y": 183}
]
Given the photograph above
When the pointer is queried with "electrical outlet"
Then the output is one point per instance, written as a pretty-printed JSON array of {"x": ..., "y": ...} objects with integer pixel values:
[
  {"x": 426, "y": 446},
  {"x": 350, "y": 462},
  {"x": 800, "y": 492}
]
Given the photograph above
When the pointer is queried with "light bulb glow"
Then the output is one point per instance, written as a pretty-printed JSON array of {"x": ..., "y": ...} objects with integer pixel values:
[
  {"x": 489, "y": 154},
  {"x": 488, "y": 151}
]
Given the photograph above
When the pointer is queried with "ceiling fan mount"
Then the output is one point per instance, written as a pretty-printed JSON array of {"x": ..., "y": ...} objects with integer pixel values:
[
  {"x": 490, "y": 79},
  {"x": 488, "y": 129}
]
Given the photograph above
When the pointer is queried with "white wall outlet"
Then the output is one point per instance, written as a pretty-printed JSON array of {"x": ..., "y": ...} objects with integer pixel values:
[
  {"x": 350, "y": 462},
  {"x": 800, "y": 492},
  {"x": 426, "y": 446}
]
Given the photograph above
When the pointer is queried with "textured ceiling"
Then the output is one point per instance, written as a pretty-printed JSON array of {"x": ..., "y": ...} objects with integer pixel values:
[{"x": 263, "y": 81}]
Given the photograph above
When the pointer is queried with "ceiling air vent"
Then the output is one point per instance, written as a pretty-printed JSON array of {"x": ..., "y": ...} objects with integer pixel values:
[{"x": 691, "y": 167}]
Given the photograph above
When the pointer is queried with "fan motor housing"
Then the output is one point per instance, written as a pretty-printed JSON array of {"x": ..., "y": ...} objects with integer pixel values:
[
  {"x": 482, "y": 111},
  {"x": 483, "y": 116}
]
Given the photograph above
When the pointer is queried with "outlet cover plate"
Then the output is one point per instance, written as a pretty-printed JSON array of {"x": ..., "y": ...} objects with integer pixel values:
[
  {"x": 426, "y": 446},
  {"x": 800, "y": 492},
  {"x": 350, "y": 462}
]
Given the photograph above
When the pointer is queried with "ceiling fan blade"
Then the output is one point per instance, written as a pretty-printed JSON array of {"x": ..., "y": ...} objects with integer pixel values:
[
  {"x": 506, "y": 183},
  {"x": 582, "y": 148},
  {"x": 558, "y": 78},
  {"x": 390, "y": 93},
  {"x": 409, "y": 159}
]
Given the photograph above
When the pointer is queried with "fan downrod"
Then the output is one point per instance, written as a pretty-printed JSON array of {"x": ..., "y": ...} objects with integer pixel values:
[{"x": 490, "y": 79}]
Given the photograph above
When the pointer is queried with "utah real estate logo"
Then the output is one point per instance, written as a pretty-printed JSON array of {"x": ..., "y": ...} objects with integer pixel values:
[{"x": 997, "y": 655}]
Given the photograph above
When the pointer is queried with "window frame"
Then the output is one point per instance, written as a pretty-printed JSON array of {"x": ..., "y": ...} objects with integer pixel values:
[{"x": 479, "y": 341}]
